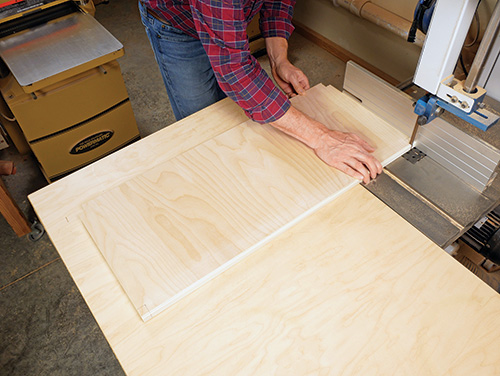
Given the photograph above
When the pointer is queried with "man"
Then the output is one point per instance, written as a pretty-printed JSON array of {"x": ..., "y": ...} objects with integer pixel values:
[{"x": 203, "y": 53}]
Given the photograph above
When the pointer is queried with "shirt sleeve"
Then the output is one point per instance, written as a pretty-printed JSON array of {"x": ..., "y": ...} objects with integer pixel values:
[
  {"x": 221, "y": 26},
  {"x": 276, "y": 19}
]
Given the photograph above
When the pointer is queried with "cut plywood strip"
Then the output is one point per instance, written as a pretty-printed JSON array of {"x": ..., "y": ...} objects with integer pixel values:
[
  {"x": 168, "y": 231},
  {"x": 380, "y": 97},
  {"x": 342, "y": 112}
]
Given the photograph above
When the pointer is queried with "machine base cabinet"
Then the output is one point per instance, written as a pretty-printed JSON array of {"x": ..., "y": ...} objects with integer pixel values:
[{"x": 73, "y": 122}]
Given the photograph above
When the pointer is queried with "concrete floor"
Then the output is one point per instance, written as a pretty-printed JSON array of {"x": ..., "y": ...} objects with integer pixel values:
[{"x": 45, "y": 325}]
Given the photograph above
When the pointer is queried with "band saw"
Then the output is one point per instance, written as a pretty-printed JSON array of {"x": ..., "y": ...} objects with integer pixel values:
[{"x": 447, "y": 185}]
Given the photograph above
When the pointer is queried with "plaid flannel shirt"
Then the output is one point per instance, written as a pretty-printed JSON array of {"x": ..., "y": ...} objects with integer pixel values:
[{"x": 221, "y": 27}]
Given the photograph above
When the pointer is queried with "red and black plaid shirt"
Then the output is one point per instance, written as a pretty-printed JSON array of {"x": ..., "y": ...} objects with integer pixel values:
[{"x": 221, "y": 27}]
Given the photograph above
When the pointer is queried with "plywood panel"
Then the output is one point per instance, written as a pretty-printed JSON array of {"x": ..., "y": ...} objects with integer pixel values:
[
  {"x": 352, "y": 289},
  {"x": 178, "y": 225},
  {"x": 122, "y": 165}
]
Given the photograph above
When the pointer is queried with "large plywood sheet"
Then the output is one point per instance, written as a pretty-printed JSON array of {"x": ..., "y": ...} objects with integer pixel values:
[
  {"x": 171, "y": 229},
  {"x": 352, "y": 289}
]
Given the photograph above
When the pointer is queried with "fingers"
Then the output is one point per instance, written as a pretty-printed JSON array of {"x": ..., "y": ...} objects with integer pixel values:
[
  {"x": 350, "y": 156},
  {"x": 291, "y": 79},
  {"x": 374, "y": 166},
  {"x": 346, "y": 169},
  {"x": 366, "y": 165},
  {"x": 356, "y": 169},
  {"x": 299, "y": 82},
  {"x": 285, "y": 86}
]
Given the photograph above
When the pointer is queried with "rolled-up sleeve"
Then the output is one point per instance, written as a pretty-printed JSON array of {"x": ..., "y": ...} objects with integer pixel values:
[
  {"x": 276, "y": 19},
  {"x": 221, "y": 26}
]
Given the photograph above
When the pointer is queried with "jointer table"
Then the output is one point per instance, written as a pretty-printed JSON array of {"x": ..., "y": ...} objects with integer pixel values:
[{"x": 353, "y": 289}]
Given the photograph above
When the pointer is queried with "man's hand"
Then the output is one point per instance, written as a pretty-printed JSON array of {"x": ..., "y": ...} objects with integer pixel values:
[
  {"x": 345, "y": 151},
  {"x": 350, "y": 154},
  {"x": 288, "y": 77}
]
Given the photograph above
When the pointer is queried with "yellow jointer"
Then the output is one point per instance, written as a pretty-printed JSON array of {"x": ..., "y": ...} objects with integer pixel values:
[{"x": 62, "y": 85}]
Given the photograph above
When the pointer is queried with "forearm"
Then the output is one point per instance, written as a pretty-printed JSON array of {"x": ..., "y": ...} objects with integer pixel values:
[
  {"x": 300, "y": 126},
  {"x": 277, "y": 50},
  {"x": 344, "y": 151}
]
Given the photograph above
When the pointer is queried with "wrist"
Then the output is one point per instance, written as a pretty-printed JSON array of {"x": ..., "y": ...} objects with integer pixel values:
[
  {"x": 300, "y": 126},
  {"x": 277, "y": 50}
]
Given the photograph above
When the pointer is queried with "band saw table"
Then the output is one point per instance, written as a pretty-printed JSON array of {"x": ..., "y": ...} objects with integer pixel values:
[{"x": 351, "y": 289}]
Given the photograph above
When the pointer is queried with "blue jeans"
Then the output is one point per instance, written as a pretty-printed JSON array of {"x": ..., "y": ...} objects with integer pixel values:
[{"x": 185, "y": 67}]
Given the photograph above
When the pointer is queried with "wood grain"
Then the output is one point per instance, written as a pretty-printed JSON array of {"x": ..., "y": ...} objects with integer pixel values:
[
  {"x": 353, "y": 289},
  {"x": 359, "y": 292},
  {"x": 177, "y": 226},
  {"x": 146, "y": 153}
]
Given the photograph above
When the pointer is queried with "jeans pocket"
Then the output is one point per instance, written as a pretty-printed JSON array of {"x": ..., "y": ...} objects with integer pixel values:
[{"x": 172, "y": 34}]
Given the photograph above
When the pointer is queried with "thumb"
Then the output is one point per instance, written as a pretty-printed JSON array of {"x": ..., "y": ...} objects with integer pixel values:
[{"x": 300, "y": 83}]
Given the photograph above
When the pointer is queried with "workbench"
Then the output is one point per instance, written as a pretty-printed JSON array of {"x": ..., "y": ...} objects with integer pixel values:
[{"x": 352, "y": 289}]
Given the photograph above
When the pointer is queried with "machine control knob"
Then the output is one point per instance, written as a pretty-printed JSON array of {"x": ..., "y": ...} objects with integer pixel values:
[
  {"x": 464, "y": 105},
  {"x": 422, "y": 120},
  {"x": 454, "y": 99}
]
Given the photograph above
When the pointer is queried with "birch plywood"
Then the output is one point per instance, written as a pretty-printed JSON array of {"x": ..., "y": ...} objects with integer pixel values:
[
  {"x": 359, "y": 290},
  {"x": 173, "y": 228}
]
